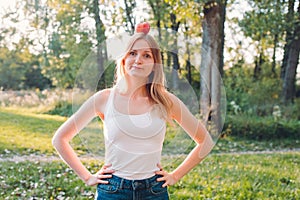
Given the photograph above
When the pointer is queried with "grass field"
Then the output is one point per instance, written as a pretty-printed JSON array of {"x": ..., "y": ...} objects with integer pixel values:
[
  {"x": 263, "y": 176},
  {"x": 225, "y": 174}
]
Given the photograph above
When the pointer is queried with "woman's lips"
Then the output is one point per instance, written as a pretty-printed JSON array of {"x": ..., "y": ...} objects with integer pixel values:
[{"x": 135, "y": 67}]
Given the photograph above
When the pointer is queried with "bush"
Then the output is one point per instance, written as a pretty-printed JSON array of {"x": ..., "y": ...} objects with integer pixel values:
[
  {"x": 253, "y": 127},
  {"x": 253, "y": 96},
  {"x": 291, "y": 111},
  {"x": 62, "y": 108}
]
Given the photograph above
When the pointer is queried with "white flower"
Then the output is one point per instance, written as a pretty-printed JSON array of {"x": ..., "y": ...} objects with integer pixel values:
[{"x": 276, "y": 112}]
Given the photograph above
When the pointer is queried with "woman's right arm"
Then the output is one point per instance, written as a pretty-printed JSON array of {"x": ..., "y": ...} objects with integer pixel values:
[{"x": 71, "y": 127}]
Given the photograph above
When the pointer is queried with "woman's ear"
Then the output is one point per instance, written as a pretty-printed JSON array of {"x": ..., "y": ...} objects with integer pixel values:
[{"x": 123, "y": 61}]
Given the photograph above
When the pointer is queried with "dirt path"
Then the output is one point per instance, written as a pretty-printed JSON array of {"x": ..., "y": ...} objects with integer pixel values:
[
  {"x": 41, "y": 158},
  {"x": 297, "y": 150},
  {"x": 47, "y": 158}
]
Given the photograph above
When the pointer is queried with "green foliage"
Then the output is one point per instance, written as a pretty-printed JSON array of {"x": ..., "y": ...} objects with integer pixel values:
[
  {"x": 265, "y": 20},
  {"x": 253, "y": 96},
  {"x": 11, "y": 74},
  {"x": 62, "y": 64},
  {"x": 291, "y": 111},
  {"x": 253, "y": 127},
  {"x": 89, "y": 76},
  {"x": 110, "y": 67},
  {"x": 35, "y": 79},
  {"x": 20, "y": 69},
  {"x": 62, "y": 108}
]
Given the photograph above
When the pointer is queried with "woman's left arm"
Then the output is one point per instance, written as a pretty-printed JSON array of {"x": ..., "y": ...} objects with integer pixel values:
[{"x": 197, "y": 132}]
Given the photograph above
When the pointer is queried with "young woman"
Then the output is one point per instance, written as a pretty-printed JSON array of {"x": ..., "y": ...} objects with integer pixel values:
[{"x": 134, "y": 112}]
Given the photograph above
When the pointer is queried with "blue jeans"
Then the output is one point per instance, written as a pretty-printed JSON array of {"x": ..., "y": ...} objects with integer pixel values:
[{"x": 124, "y": 189}]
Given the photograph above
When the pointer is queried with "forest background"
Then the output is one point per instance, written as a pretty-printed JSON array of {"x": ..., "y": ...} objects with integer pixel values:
[{"x": 46, "y": 45}]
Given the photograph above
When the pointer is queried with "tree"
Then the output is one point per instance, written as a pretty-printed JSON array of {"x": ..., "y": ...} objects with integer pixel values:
[
  {"x": 211, "y": 59},
  {"x": 182, "y": 19},
  {"x": 264, "y": 25},
  {"x": 130, "y": 20},
  {"x": 288, "y": 35},
  {"x": 12, "y": 72},
  {"x": 69, "y": 43},
  {"x": 21, "y": 68},
  {"x": 101, "y": 45},
  {"x": 292, "y": 63},
  {"x": 159, "y": 10},
  {"x": 174, "y": 51}
]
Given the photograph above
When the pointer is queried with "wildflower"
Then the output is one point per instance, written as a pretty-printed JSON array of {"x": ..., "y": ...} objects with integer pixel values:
[
  {"x": 276, "y": 112},
  {"x": 236, "y": 108}
]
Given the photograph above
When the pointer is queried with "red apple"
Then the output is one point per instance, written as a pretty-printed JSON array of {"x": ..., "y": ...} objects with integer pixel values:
[{"x": 143, "y": 27}]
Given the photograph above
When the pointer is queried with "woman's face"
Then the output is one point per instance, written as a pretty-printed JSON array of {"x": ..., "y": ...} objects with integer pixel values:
[{"x": 139, "y": 62}]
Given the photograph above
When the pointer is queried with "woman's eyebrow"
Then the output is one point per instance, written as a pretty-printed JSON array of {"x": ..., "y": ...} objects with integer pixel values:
[{"x": 148, "y": 51}]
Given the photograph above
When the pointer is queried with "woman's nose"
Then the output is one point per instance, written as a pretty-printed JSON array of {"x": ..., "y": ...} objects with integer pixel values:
[{"x": 138, "y": 59}]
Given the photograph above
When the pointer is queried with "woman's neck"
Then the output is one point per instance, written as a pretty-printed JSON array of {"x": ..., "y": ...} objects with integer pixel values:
[{"x": 136, "y": 88}]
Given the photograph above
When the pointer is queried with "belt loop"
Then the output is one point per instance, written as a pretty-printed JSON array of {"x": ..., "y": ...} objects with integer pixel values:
[
  {"x": 121, "y": 183},
  {"x": 147, "y": 183},
  {"x": 133, "y": 184}
]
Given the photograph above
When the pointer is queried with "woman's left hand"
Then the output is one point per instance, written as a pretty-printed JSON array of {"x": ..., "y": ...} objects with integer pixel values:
[{"x": 169, "y": 178}]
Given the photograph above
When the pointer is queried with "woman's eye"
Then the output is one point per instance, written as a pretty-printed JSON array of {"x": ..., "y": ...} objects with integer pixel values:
[
  {"x": 132, "y": 53},
  {"x": 147, "y": 56}
]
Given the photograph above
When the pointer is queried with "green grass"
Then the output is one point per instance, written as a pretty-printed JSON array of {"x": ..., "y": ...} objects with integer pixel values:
[
  {"x": 220, "y": 176},
  {"x": 264, "y": 176},
  {"x": 22, "y": 131}
]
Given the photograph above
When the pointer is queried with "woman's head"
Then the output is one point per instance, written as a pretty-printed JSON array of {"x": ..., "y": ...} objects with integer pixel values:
[
  {"x": 155, "y": 83},
  {"x": 157, "y": 75}
]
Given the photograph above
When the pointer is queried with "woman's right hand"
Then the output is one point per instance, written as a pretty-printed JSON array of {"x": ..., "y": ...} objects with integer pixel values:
[{"x": 97, "y": 178}]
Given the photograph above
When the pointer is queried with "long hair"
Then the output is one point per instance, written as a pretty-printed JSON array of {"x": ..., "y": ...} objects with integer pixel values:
[{"x": 155, "y": 86}]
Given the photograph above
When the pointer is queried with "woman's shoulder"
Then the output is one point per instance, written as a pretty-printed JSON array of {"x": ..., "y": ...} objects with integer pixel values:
[
  {"x": 103, "y": 95},
  {"x": 100, "y": 99},
  {"x": 172, "y": 96},
  {"x": 176, "y": 101}
]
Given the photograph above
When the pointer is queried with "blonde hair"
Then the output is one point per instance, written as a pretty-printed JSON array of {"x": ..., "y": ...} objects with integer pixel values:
[{"x": 155, "y": 87}]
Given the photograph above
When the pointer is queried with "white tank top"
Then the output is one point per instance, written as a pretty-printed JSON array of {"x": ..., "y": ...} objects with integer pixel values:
[{"x": 133, "y": 143}]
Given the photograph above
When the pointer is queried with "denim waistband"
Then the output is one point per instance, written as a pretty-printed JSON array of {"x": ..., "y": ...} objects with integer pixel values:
[{"x": 133, "y": 184}]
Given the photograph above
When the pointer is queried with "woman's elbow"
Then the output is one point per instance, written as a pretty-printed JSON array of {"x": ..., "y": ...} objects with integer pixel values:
[
  {"x": 206, "y": 146},
  {"x": 58, "y": 139},
  {"x": 55, "y": 140}
]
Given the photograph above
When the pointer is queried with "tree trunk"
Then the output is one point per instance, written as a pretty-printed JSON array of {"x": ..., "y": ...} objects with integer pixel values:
[
  {"x": 157, "y": 6},
  {"x": 211, "y": 60},
  {"x": 188, "y": 61},
  {"x": 275, "y": 42},
  {"x": 100, "y": 37},
  {"x": 291, "y": 65},
  {"x": 174, "y": 53},
  {"x": 223, "y": 4},
  {"x": 274, "y": 56},
  {"x": 168, "y": 60},
  {"x": 258, "y": 63},
  {"x": 289, "y": 36},
  {"x": 130, "y": 20}
]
